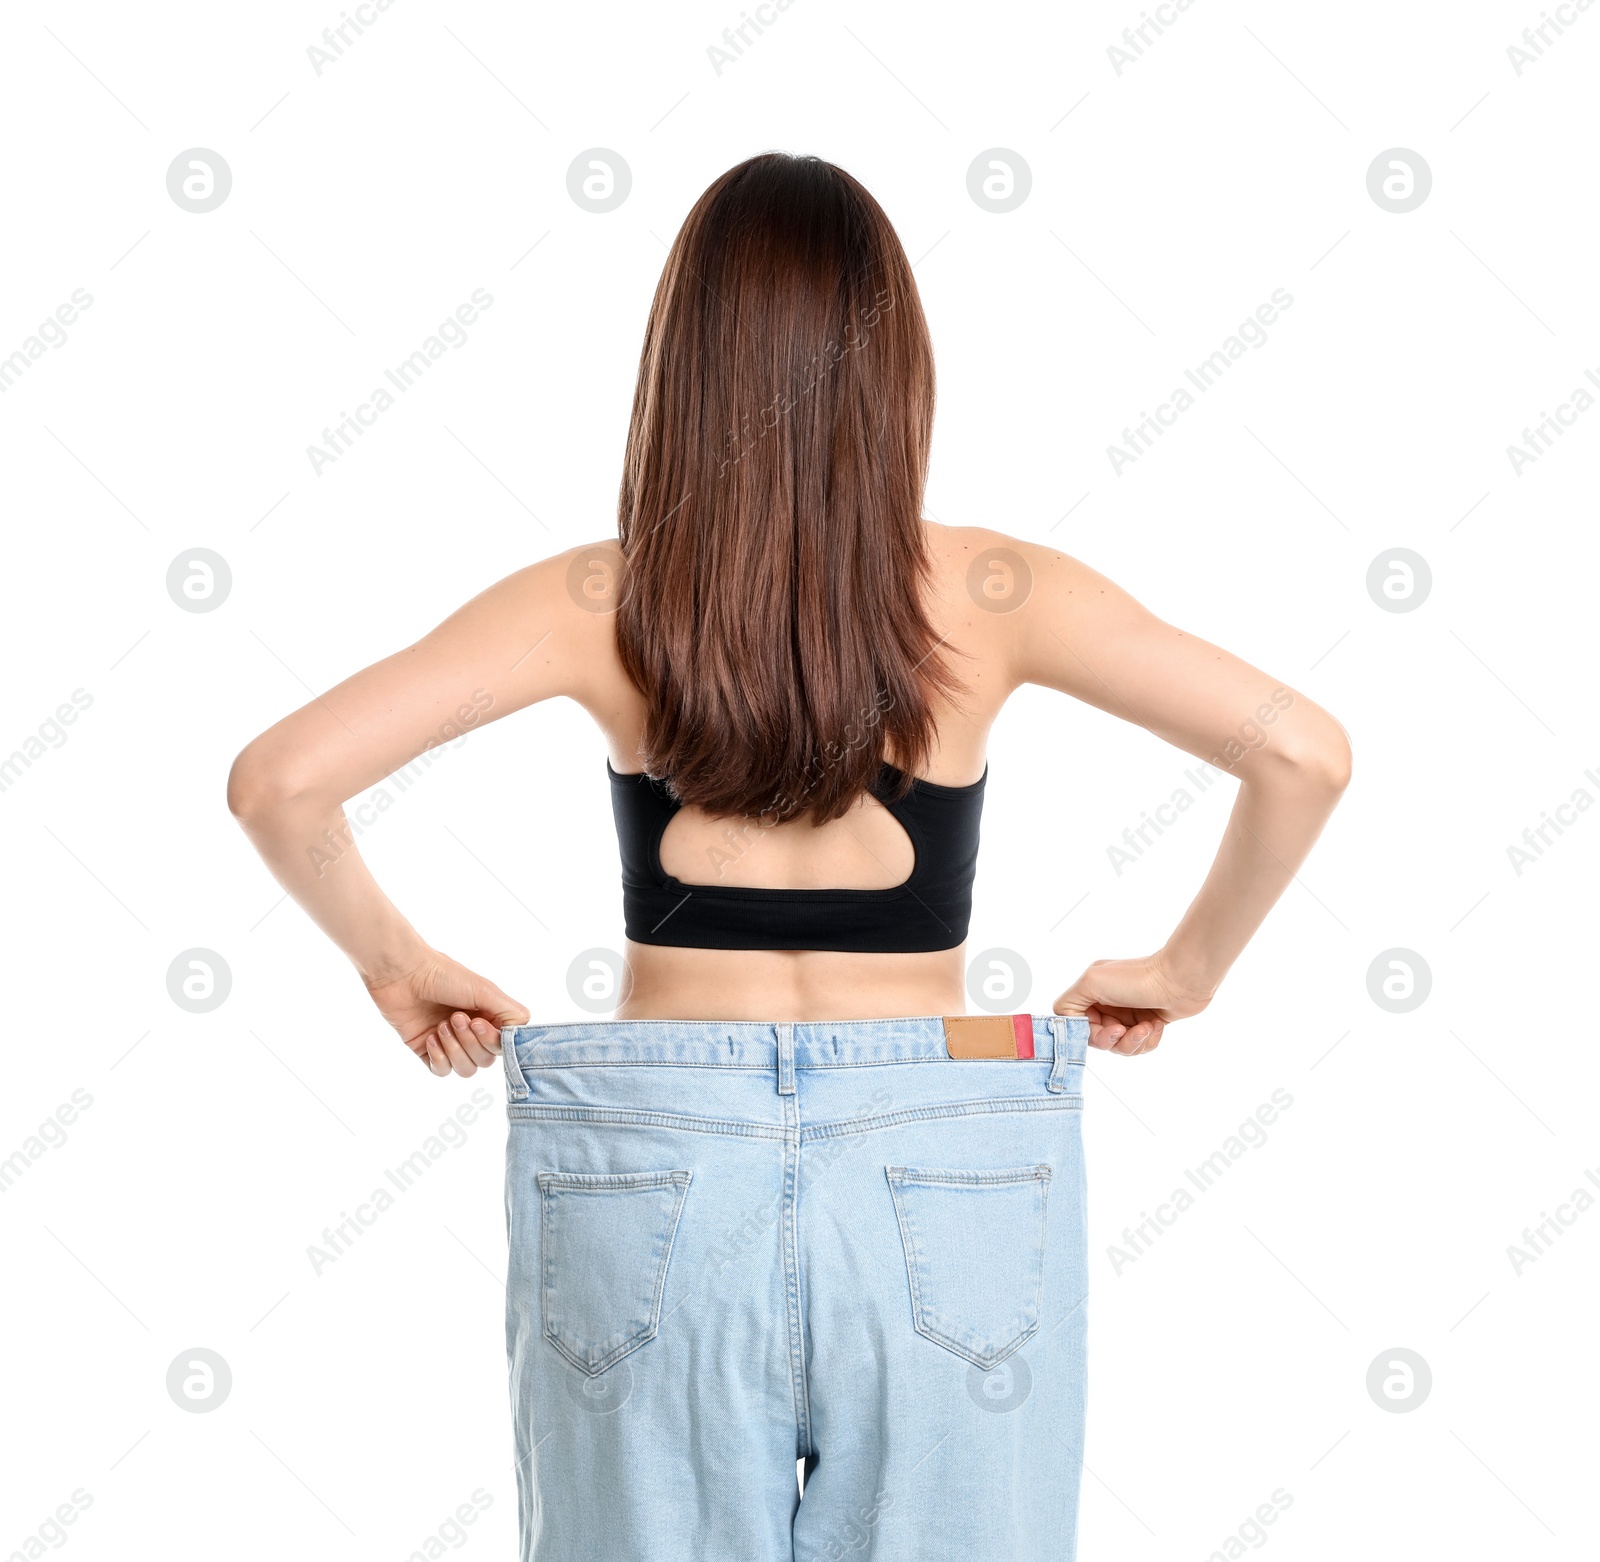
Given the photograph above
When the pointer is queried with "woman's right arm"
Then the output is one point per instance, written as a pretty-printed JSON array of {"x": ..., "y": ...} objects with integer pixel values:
[
  {"x": 1083, "y": 635},
  {"x": 522, "y": 640}
]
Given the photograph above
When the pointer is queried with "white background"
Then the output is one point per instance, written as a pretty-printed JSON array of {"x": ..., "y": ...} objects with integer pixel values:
[{"x": 1230, "y": 1359}]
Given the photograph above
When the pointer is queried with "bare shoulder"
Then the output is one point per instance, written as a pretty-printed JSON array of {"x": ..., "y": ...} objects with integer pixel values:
[
  {"x": 549, "y": 625},
  {"x": 577, "y": 585},
  {"x": 568, "y": 592},
  {"x": 1001, "y": 570},
  {"x": 1026, "y": 604}
]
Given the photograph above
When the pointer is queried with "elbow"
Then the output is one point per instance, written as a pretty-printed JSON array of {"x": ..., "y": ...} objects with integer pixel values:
[
  {"x": 1326, "y": 760},
  {"x": 256, "y": 785},
  {"x": 1341, "y": 762},
  {"x": 1312, "y": 755}
]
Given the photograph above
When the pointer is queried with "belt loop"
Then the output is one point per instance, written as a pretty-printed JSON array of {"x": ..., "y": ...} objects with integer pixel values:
[
  {"x": 1058, "y": 1052},
  {"x": 516, "y": 1085},
  {"x": 786, "y": 1058}
]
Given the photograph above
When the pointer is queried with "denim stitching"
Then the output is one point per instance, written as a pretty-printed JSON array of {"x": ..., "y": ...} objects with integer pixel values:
[
  {"x": 998, "y": 1104},
  {"x": 766, "y": 1068},
  {"x": 889, "y": 1019},
  {"x": 921, "y": 1319},
  {"x": 516, "y": 1085},
  {"x": 606, "y": 1114},
  {"x": 1059, "y": 1049},
  {"x": 791, "y": 1276},
  {"x": 930, "y": 1177},
  {"x": 545, "y": 1180}
]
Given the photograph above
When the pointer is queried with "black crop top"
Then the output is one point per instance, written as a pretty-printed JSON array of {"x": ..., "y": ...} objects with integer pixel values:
[{"x": 927, "y": 911}]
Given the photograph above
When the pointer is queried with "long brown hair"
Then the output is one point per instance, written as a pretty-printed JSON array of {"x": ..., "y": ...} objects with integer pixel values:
[{"x": 771, "y": 506}]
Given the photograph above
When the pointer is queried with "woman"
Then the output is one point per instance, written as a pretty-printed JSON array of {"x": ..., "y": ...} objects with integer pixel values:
[{"x": 761, "y": 1217}]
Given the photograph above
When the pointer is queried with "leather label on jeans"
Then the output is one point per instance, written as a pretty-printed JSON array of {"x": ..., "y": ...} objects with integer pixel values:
[{"x": 989, "y": 1035}]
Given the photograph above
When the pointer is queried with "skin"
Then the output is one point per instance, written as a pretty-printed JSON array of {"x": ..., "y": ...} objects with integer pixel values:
[{"x": 526, "y": 639}]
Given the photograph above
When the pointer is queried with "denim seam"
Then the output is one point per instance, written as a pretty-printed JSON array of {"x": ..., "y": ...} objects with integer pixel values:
[
  {"x": 611, "y": 1182},
  {"x": 937, "y": 1177},
  {"x": 936, "y": 1057},
  {"x": 953, "y": 1109},
  {"x": 575, "y": 1024},
  {"x": 766, "y": 1068},
  {"x": 791, "y": 1276},
  {"x": 523, "y": 1112},
  {"x": 889, "y": 1019},
  {"x": 532, "y": 1111},
  {"x": 746, "y": 1068}
]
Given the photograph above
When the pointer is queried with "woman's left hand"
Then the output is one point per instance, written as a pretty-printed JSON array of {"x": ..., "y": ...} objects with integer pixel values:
[{"x": 1129, "y": 1003}]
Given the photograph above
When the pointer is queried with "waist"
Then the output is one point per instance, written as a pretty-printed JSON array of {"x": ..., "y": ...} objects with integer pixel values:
[{"x": 785, "y": 984}]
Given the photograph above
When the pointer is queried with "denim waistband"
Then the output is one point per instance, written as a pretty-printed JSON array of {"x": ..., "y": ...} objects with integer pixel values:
[{"x": 763, "y": 1044}]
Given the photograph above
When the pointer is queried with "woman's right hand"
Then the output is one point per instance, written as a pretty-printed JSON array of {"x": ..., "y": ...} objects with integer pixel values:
[
  {"x": 1129, "y": 1003},
  {"x": 449, "y": 1016}
]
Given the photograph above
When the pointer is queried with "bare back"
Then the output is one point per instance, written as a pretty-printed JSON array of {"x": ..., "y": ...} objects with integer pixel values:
[{"x": 866, "y": 849}]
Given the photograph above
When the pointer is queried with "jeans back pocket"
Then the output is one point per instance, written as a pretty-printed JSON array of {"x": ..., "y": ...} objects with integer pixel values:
[
  {"x": 606, "y": 1239},
  {"x": 974, "y": 1246}
]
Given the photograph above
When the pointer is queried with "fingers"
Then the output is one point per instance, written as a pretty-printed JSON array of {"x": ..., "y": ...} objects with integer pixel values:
[
  {"x": 463, "y": 1042},
  {"x": 442, "y": 1038},
  {"x": 1106, "y": 1035},
  {"x": 1109, "y": 1025},
  {"x": 474, "y": 1036},
  {"x": 1076, "y": 1003},
  {"x": 1128, "y": 1031},
  {"x": 1113, "y": 1013},
  {"x": 1106, "y": 1029},
  {"x": 460, "y": 1045},
  {"x": 1143, "y": 1037}
]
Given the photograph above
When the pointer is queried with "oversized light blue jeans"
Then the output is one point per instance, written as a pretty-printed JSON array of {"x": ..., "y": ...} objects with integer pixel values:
[{"x": 738, "y": 1245}]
